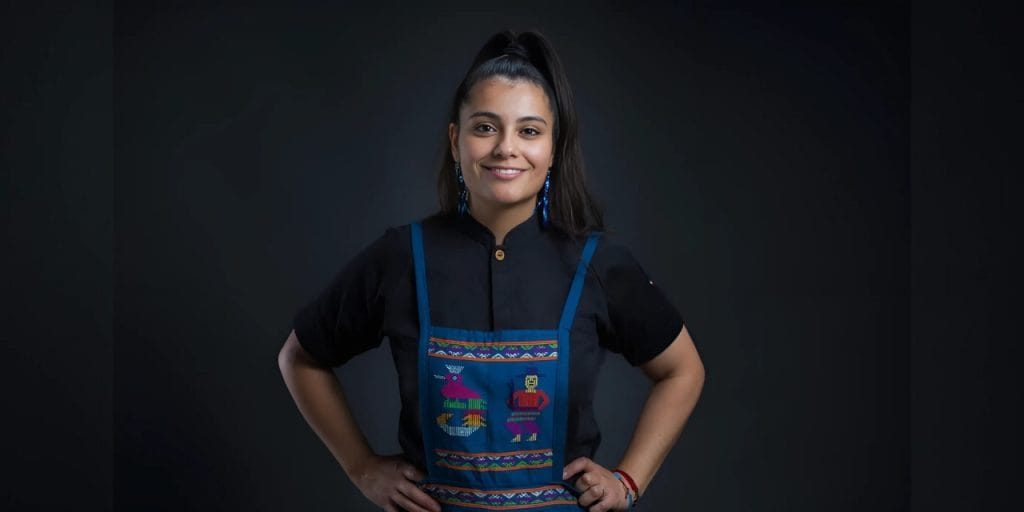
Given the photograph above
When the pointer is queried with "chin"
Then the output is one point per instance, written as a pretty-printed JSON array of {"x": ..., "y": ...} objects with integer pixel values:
[{"x": 506, "y": 201}]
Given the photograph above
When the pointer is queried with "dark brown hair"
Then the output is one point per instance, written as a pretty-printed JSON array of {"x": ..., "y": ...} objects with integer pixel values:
[{"x": 529, "y": 56}]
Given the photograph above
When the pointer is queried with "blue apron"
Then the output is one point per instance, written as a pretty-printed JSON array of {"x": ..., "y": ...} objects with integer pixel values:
[{"x": 494, "y": 406}]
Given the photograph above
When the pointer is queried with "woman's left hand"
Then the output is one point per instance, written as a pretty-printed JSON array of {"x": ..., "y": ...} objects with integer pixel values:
[{"x": 600, "y": 490}]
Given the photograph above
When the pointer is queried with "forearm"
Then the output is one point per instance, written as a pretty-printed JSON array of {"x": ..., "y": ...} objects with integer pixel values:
[
  {"x": 321, "y": 400},
  {"x": 668, "y": 406}
]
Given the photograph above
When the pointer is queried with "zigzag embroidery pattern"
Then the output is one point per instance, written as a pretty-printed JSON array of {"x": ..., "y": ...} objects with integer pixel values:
[
  {"x": 541, "y": 350},
  {"x": 509, "y": 499},
  {"x": 501, "y": 461}
]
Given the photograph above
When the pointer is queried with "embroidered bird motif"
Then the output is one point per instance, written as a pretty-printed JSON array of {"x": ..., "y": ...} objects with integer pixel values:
[
  {"x": 454, "y": 389},
  {"x": 459, "y": 397}
]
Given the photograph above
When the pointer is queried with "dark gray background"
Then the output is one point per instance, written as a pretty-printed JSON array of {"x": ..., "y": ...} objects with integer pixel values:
[{"x": 755, "y": 159}]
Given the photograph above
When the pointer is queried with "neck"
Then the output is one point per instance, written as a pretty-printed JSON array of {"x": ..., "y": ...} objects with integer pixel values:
[{"x": 501, "y": 219}]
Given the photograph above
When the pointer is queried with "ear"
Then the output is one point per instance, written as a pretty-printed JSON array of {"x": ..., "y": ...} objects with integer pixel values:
[{"x": 453, "y": 137}]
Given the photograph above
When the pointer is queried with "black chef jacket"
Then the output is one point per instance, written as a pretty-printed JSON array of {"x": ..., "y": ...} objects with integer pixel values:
[{"x": 474, "y": 286}]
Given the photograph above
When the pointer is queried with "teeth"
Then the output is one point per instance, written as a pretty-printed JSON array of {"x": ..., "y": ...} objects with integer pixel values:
[{"x": 506, "y": 171}]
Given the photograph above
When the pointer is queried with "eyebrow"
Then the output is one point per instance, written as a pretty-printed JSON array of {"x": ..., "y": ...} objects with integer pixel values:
[{"x": 494, "y": 116}]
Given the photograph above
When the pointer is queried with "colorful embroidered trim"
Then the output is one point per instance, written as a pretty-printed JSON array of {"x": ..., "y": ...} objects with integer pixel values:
[
  {"x": 496, "y": 351},
  {"x": 500, "y": 461},
  {"x": 507, "y": 499}
]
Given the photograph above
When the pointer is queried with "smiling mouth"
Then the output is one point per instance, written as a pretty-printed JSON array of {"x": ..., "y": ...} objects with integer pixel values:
[{"x": 504, "y": 172}]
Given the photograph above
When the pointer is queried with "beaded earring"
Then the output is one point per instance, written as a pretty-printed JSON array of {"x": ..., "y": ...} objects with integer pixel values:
[
  {"x": 543, "y": 202},
  {"x": 463, "y": 193}
]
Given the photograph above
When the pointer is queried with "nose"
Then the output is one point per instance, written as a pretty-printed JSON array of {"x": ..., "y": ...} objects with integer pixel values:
[{"x": 506, "y": 145}]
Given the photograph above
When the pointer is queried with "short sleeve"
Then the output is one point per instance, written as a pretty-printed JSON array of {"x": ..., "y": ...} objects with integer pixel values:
[
  {"x": 346, "y": 318},
  {"x": 641, "y": 321}
]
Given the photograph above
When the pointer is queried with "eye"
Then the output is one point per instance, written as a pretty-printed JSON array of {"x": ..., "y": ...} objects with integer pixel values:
[
  {"x": 478, "y": 127},
  {"x": 533, "y": 130}
]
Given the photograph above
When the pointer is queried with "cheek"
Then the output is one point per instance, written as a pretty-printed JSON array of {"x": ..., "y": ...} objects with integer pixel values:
[
  {"x": 477, "y": 147},
  {"x": 541, "y": 158},
  {"x": 542, "y": 174},
  {"x": 471, "y": 147}
]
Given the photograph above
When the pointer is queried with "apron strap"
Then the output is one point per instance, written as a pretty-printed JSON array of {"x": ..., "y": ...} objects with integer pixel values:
[
  {"x": 423, "y": 306},
  {"x": 420, "y": 265},
  {"x": 569, "y": 311}
]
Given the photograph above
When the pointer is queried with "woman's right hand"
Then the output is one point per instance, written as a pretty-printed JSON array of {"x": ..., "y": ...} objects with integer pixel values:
[{"x": 390, "y": 482}]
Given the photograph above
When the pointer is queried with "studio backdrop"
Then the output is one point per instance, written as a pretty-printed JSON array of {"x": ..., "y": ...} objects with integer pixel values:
[{"x": 753, "y": 159}]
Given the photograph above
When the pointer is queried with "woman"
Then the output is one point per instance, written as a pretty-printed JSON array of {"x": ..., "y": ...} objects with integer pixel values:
[{"x": 499, "y": 310}]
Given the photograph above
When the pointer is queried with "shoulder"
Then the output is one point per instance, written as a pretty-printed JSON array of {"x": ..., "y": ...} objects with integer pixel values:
[
  {"x": 389, "y": 246},
  {"x": 395, "y": 244},
  {"x": 618, "y": 271},
  {"x": 612, "y": 255},
  {"x": 398, "y": 236},
  {"x": 401, "y": 234}
]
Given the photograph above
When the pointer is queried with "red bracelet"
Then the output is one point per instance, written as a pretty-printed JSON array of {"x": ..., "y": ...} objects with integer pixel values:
[{"x": 632, "y": 484}]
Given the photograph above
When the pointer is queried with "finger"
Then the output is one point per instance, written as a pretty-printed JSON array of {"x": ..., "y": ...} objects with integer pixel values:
[
  {"x": 592, "y": 495},
  {"x": 580, "y": 464},
  {"x": 587, "y": 480},
  {"x": 388, "y": 507},
  {"x": 418, "y": 497},
  {"x": 612, "y": 499},
  {"x": 407, "y": 504},
  {"x": 582, "y": 484}
]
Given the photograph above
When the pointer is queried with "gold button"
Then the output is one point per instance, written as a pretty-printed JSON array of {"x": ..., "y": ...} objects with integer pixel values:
[{"x": 499, "y": 254}]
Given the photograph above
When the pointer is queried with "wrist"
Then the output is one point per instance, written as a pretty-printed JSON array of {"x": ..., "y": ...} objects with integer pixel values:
[
  {"x": 359, "y": 467},
  {"x": 625, "y": 487},
  {"x": 632, "y": 491}
]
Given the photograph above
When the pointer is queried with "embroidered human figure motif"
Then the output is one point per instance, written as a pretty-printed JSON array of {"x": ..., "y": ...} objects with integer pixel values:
[
  {"x": 463, "y": 407},
  {"x": 526, "y": 405}
]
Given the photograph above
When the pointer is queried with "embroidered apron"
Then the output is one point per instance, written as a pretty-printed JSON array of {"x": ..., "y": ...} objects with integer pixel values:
[{"x": 494, "y": 406}]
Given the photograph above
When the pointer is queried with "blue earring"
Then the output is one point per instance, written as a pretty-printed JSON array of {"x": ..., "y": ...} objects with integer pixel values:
[
  {"x": 463, "y": 193},
  {"x": 542, "y": 202}
]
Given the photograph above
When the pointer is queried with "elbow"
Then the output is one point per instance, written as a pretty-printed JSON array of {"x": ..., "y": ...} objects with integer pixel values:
[
  {"x": 698, "y": 376},
  {"x": 696, "y": 372},
  {"x": 690, "y": 376},
  {"x": 285, "y": 359},
  {"x": 290, "y": 352}
]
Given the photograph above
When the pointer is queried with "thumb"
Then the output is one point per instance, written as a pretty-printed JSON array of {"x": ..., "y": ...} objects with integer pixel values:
[{"x": 575, "y": 467}]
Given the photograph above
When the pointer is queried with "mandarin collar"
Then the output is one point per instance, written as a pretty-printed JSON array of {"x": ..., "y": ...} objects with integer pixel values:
[{"x": 529, "y": 229}]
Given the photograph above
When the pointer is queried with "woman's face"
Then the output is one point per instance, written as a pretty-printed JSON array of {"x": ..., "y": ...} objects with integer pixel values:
[{"x": 504, "y": 143}]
